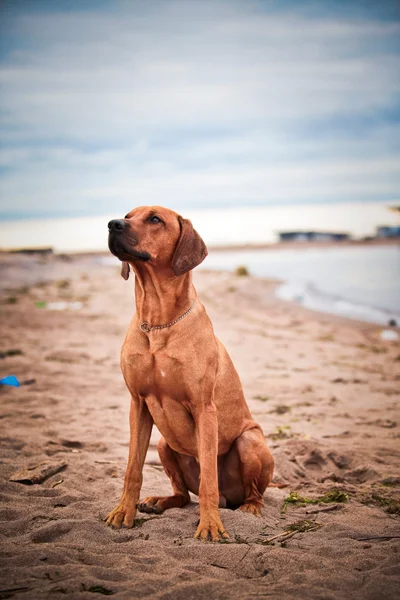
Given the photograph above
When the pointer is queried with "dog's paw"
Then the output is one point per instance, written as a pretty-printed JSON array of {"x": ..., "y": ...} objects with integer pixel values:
[
  {"x": 211, "y": 529},
  {"x": 152, "y": 504},
  {"x": 253, "y": 509},
  {"x": 122, "y": 515}
]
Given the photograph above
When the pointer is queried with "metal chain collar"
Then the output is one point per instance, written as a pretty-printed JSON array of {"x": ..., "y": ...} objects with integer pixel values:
[{"x": 146, "y": 327}]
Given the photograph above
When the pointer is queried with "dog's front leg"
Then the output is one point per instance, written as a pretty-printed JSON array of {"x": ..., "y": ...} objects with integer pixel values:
[
  {"x": 210, "y": 524},
  {"x": 141, "y": 424}
]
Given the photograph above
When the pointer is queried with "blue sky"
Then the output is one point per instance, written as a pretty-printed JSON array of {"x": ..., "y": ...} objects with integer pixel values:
[{"x": 108, "y": 105}]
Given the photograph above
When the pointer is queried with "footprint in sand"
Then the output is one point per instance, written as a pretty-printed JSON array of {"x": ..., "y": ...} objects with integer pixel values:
[
  {"x": 72, "y": 444},
  {"x": 12, "y": 443},
  {"x": 9, "y": 514},
  {"x": 51, "y": 533}
]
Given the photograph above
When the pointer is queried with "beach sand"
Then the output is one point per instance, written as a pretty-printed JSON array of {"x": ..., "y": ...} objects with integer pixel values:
[{"x": 324, "y": 389}]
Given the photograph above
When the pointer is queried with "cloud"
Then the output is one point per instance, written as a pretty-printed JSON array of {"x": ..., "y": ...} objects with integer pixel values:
[{"x": 185, "y": 103}]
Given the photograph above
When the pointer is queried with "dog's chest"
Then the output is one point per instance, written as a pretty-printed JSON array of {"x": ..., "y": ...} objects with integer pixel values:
[
  {"x": 159, "y": 379},
  {"x": 152, "y": 373}
]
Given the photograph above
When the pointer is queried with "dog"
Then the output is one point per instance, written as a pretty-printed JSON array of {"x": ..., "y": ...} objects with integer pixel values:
[{"x": 181, "y": 378}]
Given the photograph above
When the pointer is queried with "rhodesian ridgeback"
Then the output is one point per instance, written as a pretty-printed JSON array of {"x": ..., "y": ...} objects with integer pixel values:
[{"x": 181, "y": 378}]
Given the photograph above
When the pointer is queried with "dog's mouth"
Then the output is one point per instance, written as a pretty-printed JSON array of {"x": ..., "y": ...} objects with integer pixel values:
[{"x": 118, "y": 248}]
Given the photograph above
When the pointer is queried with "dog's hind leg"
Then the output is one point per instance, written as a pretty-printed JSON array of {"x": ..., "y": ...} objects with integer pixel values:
[
  {"x": 256, "y": 469},
  {"x": 171, "y": 461}
]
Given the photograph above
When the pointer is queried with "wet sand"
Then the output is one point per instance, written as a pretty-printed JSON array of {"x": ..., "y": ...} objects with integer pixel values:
[{"x": 324, "y": 389}]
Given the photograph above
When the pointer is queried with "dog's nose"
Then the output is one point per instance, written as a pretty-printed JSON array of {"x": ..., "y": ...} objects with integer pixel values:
[{"x": 116, "y": 225}]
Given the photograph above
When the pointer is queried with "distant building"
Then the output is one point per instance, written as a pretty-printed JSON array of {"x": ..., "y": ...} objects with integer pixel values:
[
  {"x": 388, "y": 231},
  {"x": 312, "y": 236}
]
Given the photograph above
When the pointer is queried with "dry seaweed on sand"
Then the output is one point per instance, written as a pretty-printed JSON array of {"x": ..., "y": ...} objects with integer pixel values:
[
  {"x": 97, "y": 589},
  {"x": 12, "y": 352},
  {"x": 303, "y": 526},
  {"x": 242, "y": 271},
  {"x": 281, "y": 409},
  {"x": 281, "y": 432},
  {"x": 334, "y": 495},
  {"x": 385, "y": 501}
]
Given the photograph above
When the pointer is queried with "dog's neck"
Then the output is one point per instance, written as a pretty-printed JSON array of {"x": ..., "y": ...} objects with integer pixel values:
[{"x": 160, "y": 296}]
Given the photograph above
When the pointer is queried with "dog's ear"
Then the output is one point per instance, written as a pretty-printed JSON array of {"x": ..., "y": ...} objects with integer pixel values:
[
  {"x": 190, "y": 250},
  {"x": 125, "y": 268}
]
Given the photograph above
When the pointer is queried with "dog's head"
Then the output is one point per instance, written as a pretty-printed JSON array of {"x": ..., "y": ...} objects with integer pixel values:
[{"x": 157, "y": 236}]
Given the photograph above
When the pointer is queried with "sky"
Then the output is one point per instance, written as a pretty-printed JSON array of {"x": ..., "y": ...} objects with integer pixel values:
[{"x": 106, "y": 105}]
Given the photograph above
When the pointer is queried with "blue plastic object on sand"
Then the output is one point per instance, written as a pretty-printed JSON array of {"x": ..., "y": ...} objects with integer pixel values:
[{"x": 10, "y": 380}]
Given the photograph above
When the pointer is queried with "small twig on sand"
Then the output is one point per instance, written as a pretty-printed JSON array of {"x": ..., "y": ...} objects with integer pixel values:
[
  {"x": 377, "y": 537},
  {"x": 327, "y": 509},
  {"x": 56, "y": 483},
  {"x": 275, "y": 537},
  {"x": 298, "y": 527},
  {"x": 8, "y": 592},
  {"x": 213, "y": 564},
  {"x": 278, "y": 485},
  {"x": 243, "y": 557}
]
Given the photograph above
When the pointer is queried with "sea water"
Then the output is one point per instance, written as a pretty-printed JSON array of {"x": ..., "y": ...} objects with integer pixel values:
[{"x": 361, "y": 282}]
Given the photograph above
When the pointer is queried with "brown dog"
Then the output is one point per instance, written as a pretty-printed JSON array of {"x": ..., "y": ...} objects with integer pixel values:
[{"x": 181, "y": 378}]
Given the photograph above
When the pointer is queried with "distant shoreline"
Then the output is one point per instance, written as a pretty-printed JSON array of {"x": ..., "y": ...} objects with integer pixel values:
[
  {"x": 295, "y": 245},
  {"x": 306, "y": 245}
]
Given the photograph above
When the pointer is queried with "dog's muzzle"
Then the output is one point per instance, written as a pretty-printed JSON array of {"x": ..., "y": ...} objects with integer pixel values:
[
  {"x": 116, "y": 226},
  {"x": 122, "y": 241}
]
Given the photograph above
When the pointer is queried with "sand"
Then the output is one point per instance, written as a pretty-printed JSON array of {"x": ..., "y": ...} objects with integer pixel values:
[{"x": 324, "y": 389}]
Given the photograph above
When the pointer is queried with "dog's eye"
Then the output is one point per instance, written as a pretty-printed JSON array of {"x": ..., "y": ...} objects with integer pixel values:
[{"x": 155, "y": 220}]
